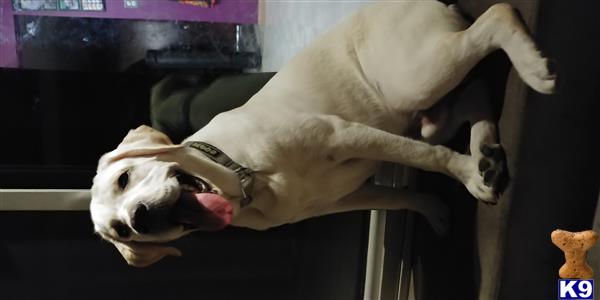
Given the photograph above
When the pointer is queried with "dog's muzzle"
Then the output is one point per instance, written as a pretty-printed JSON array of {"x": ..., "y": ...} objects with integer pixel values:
[{"x": 198, "y": 207}]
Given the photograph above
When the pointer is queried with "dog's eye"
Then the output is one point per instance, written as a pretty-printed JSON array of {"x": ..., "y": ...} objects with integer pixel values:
[{"x": 123, "y": 180}]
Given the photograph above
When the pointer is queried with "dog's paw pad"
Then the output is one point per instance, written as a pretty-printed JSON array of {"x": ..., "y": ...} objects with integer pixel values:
[
  {"x": 492, "y": 167},
  {"x": 490, "y": 176},
  {"x": 493, "y": 151},
  {"x": 484, "y": 164}
]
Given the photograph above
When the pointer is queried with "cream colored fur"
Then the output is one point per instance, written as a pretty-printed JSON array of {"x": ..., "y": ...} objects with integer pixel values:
[{"x": 318, "y": 130}]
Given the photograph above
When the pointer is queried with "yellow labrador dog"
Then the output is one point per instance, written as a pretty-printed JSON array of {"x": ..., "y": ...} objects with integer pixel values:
[{"x": 306, "y": 143}]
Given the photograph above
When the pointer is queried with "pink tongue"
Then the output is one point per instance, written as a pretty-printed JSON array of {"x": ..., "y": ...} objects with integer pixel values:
[{"x": 217, "y": 205}]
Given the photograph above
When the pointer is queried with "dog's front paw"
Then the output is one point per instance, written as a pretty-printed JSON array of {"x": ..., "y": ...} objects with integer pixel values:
[
  {"x": 492, "y": 167},
  {"x": 480, "y": 190},
  {"x": 491, "y": 177}
]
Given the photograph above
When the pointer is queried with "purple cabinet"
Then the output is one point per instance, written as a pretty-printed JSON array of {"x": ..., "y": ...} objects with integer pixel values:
[{"x": 224, "y": 11}]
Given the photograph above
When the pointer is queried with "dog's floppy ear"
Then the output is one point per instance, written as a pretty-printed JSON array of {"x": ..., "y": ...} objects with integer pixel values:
[
  {"x": 143, "y": 140},
  {"x": 141, "y": 255}
]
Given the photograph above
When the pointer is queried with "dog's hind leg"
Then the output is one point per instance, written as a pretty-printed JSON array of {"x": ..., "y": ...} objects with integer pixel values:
[
  {"x": 501, "y": 27},
  {"x": 443, "y": 58}
]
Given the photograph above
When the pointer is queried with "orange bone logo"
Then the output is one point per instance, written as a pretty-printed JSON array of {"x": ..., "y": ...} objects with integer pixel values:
[{"x": 575, "y": 246}]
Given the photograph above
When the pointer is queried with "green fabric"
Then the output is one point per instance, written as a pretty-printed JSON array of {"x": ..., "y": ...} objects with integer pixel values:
[
  {"x": 224, "y": 94},
  {"x": 180, "y": 105}
]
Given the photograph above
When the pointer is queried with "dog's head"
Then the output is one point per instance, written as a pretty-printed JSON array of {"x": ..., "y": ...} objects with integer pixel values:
[{"x": 145, "y": 192}]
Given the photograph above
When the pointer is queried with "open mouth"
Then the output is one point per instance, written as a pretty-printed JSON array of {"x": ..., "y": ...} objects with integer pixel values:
[
  {"x": 192, "y": 183},
  {"x": 199, "y": 205}
]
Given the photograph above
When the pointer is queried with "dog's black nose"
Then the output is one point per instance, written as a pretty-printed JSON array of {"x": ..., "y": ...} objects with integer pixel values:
[
  {"x": 141, "y": 219},
  {"x": 147, "y": 219},
  {"x": 121, "y": 229}
]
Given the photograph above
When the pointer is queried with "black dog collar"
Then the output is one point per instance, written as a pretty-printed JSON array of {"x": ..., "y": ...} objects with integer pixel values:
[{"x": 216, "y": 155}]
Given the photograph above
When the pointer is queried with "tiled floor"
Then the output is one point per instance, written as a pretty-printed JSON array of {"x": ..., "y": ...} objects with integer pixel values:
[{"x": 288, "y": 26}]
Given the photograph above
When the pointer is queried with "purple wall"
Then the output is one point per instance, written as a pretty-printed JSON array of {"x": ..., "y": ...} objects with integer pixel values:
[
  {"x": 8, "y": 49},
  {"x": 226, "y": 11}
]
